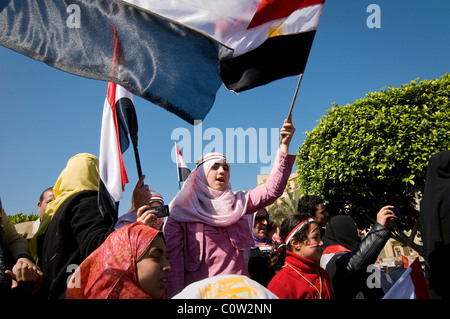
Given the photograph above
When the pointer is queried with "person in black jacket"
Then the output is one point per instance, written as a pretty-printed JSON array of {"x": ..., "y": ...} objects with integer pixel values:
[
  {"x": 434, "y": 220},
  {"x": 346, "y": 258},
  {"x": 72, "y": 226}
]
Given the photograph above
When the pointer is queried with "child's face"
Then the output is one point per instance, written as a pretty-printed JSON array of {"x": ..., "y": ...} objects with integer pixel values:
[
  {"x": 312, "y": 248},
  {"x": 153, "y": 269}
]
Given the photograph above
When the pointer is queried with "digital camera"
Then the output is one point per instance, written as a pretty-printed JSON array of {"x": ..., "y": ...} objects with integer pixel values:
[
  {"x": 163, "y": 211},
  {"x": 397, "y": 211}
]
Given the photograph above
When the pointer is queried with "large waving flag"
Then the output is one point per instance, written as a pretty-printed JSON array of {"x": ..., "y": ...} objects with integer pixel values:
[
  {"x": 411, "y": 285},
  {"x": 176, "y": 52},
  {"x": 275, "y": 44}
]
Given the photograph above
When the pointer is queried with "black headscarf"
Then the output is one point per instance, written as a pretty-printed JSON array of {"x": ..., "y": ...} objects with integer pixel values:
[
  {"x": 435, "y": 223},
  {"x": 341, "y": 230},
  {"x": 435, "y": 204}
]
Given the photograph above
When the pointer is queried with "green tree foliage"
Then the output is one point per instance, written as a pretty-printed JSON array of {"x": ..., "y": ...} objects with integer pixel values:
[
  {"x": 375, "y": 151},
  {"x": 284, "y": 206},
  {"x": 20, "y": 218}
]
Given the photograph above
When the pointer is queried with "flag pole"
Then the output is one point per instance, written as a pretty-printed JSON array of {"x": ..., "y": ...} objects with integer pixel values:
[
  {"x": 289, "y": 118},
  {"x": 138, "y": 161},
  {"x": 178, "y": 171}
]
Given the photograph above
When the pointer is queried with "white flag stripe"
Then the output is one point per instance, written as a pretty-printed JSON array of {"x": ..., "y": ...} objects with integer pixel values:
[
  {"x": 109, "y": 165},
  {"x": 411, "y": 285},
  {"x": 403, "y": 287},
  {"x": 121, "y": 92},
  {"x": 182, "y": 169},
  {"x": 204, "y": 16},
  {"x": 207, "y": 16},
  {"x": 180, "y": 160}
]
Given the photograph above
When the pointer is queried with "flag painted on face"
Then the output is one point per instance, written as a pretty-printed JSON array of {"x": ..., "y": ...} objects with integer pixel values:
[
  {"x": 411, "y": 285},
  {"x": 183, "y": 170},
  {"x": 177, "y": 53}
]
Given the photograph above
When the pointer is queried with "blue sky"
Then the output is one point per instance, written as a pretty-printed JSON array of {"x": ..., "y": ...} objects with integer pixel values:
[{"x": 47, "y": 116}]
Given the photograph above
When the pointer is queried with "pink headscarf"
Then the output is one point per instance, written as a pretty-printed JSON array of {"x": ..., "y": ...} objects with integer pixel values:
[{"x": 197, "y": 202}]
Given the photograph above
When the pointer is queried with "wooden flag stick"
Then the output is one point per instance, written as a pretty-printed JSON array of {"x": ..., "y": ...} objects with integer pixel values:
[{"x": 289, "y": 118}]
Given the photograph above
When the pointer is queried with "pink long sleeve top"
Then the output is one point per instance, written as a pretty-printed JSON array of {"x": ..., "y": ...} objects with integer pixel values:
[{"x": 197, "y": 250}]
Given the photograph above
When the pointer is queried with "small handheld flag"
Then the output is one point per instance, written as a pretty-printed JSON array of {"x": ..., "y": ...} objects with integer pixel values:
[
  {"x": 119, "y": 120},
  {"x": 182, "y": 169}
]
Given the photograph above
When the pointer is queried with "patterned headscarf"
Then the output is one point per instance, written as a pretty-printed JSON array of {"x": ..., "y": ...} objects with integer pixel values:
[{"x": 110, "y": 272}]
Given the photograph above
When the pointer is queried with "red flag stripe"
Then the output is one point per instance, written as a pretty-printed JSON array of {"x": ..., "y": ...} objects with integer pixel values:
[
  {"x": 417, "y": 277},
  {"x": 270, "y": 10},
  {"x": 178, "y": 150}
]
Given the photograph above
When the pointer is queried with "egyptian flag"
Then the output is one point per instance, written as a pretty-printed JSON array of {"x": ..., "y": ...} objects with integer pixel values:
[
  {"x": 411, "y": 285},
  {"x": 276, "y": 44},
  {"x": 183, "y": 170},
  {"x": 269, "y": 39},
  {"x": 114, "y": 141},
  {"x": 177, "y": 53},
  {"x": 119, "y": 121}
]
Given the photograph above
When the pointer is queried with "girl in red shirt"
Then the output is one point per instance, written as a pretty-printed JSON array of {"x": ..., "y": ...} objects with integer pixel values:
[{"x": 298, "y": 274}]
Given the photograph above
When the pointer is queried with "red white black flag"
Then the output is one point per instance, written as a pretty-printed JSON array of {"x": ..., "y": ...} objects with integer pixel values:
[
  {"x": 182, "y": 168},
  {"x": 114, "y": 141},
  {"x": 177, "y": 53}
]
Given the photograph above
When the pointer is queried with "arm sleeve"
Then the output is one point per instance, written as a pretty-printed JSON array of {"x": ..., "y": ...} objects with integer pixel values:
[
  {"x": 174, "y": 236},
  {"x": 369, "y": 249},
  {"x": 267, "y": 193},
  {"x": 89, "y": 226},
  {"x": 18, "y": 245}
]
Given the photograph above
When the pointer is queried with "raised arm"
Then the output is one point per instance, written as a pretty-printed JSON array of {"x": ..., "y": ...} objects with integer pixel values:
[{"x": 274, "y": 187}]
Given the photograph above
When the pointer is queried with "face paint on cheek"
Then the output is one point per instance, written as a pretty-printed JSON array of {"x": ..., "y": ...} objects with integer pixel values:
[{"x": 315, "y": 244}]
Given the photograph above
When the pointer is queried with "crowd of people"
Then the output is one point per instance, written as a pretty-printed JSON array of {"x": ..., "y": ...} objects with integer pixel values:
[{"x": 77, "y": 250}]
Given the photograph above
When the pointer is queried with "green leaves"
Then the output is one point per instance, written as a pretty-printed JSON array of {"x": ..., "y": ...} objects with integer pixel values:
[
  {"x": 374, "y": 151},
  {"x": 20, "y": 218}
]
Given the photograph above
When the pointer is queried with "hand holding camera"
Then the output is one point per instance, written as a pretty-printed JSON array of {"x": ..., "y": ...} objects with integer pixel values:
[
  {"x": 163, "y": 210},
  {"x": 152, "y": 215},
  {"x": 388, "y": 213}
]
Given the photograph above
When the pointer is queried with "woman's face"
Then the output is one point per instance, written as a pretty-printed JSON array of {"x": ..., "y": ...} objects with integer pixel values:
[
  {"x": 153, "y": 269},
  {"x": 260, "y": 228},
  {"x": 218, "y": 176}
]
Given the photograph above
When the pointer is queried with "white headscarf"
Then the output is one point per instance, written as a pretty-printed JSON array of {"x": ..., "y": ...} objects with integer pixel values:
[{"x": 197, "y": 202}]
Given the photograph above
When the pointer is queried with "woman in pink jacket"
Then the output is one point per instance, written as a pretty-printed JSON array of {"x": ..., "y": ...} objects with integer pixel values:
[{"x": 208, "y": 230}]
